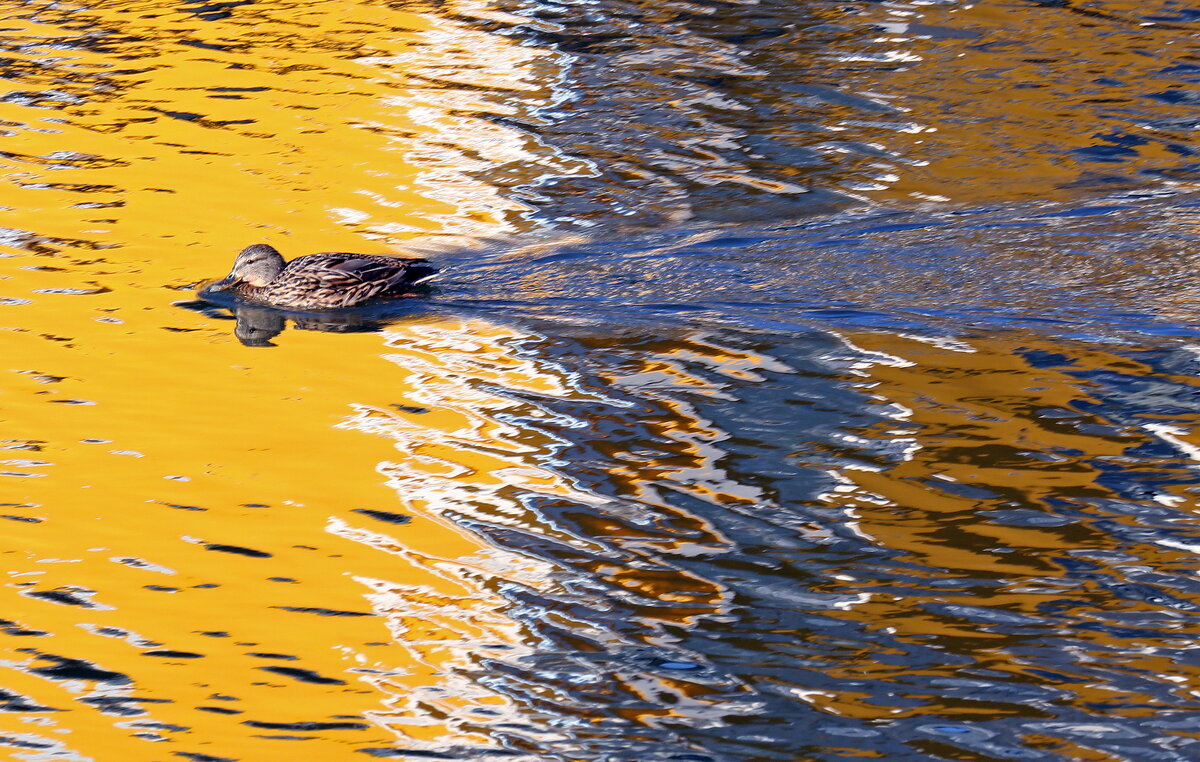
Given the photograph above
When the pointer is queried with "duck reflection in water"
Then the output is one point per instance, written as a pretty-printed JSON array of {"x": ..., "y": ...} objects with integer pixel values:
[{"x": 257, "y": 326}]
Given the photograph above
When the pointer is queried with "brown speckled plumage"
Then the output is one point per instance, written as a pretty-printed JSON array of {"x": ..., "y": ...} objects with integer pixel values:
[{"x": 320, "y": 281}]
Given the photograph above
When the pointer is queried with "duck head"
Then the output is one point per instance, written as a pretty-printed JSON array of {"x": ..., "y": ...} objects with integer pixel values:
[{"x": 255, "y": 265}]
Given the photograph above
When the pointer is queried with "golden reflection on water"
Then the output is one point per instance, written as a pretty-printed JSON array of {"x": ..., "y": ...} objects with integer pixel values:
[
  {"x": 1019, "y": 134},
  {"x": 982, "y": 428},
  {"x": 238, "y": 458},
  {"x": 369, "y": 124},
  {"x": 180, "y": 515}
]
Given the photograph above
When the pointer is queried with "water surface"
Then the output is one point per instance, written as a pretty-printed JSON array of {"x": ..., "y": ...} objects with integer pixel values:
[{"x": 807, "y": 381}]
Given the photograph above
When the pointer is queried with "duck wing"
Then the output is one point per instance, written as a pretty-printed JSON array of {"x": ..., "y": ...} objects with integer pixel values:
[{"x": 342, "y": 280}]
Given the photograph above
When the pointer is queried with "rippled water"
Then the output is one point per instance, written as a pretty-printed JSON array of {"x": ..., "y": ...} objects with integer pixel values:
[{"x": 806, "y": 381}]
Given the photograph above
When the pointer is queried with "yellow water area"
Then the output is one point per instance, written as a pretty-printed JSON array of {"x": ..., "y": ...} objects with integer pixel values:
[{"x": 182, "y": 510}]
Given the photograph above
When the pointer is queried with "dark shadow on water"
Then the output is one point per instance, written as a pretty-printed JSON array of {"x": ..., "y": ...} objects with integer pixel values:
[{"x": 258, "y": 325}]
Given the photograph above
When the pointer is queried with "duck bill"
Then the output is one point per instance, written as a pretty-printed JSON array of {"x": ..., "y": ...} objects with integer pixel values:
[{"x": 224, "y": 283}]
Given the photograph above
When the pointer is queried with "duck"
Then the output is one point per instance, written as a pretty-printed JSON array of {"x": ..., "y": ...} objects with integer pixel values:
[{"x": 323, "y": 281}]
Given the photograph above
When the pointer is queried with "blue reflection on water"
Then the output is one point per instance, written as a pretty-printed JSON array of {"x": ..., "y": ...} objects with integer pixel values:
[{"x": 947, "y": 505}]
